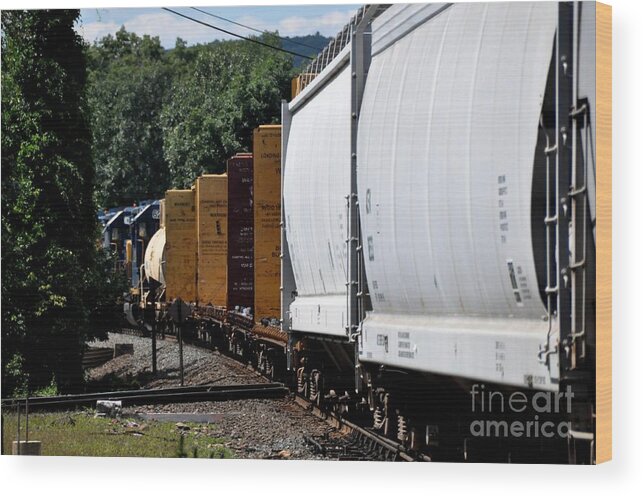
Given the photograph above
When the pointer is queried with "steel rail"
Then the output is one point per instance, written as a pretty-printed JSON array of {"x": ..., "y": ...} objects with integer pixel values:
[
  {"x": 157, "y": 396},
  {"x": 396, "y": 450}
]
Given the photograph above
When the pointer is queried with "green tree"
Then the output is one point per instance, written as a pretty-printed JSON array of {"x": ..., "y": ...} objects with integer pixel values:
[
  {"x": 53, "y": 282},
  {"x": 128, "y": 84},
  {"x": 229, "y": 89},
  {"x": 160, "y": 118}
]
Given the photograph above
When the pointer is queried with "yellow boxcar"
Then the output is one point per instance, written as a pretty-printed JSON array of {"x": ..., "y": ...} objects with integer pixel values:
[
  {"x": 212, "y": 235},
  {"x": 267, "y": 219},
  {"x": 181, "y": 246},
  {"x": 162, "y": 213}
]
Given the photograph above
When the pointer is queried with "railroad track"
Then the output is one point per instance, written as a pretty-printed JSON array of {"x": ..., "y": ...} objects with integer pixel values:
[
  {"x": 355, "y": 447},
  {"x": 360, "y": 443},
  {"x": 184, "y": 394},
  {"x": 357, "y": 443}
]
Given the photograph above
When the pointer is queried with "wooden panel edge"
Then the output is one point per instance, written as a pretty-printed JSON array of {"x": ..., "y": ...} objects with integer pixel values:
[{"x": 603, "y": 232}]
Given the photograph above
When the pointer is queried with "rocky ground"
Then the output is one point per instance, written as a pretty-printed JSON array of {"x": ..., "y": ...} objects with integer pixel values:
[
  {"x": 201, "y": 366},
  {"x": 252, "y": 428}
]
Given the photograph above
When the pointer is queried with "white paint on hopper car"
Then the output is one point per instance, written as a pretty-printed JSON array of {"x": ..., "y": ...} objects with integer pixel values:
[
  {"x": 395, "y": 23},
  {"x": 320, "y": 81},
  {"x": 316, "y": 182},
  {"x": 481, "y": 349},
  {"x": 446, "y": 148}
]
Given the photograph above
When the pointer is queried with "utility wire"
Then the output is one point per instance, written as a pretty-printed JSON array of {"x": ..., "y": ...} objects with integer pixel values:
[
  {"x": 237, "y": 35},
  {"x": 254, "y": 29}
]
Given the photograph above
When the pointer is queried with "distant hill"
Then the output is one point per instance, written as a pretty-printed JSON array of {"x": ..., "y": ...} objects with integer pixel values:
[{"x": 309, "y": 45}]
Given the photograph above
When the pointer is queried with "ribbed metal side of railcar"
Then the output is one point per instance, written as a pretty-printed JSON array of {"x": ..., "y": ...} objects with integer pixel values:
[
  {"x": 452, "y": 186},
  {"x": 315, "y": 186}
]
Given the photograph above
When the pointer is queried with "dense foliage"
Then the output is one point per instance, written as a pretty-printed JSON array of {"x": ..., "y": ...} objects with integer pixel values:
[
  {"x": 160, "y": 118},
  {"x": 229, "y": 89},
  {"x": 128, "y": 83},
  {"x": 107, "y": 124},
  {"x": 56, "y": 291}
]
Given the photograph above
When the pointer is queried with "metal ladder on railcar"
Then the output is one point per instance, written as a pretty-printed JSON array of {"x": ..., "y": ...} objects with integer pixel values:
[{"x": 566, "y": 231}]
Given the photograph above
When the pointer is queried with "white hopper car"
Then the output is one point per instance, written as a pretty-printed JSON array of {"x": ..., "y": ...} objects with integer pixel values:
[{"x": 439, "y": 212}]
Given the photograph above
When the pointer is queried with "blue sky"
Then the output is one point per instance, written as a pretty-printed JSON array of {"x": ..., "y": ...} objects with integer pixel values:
[{"x": 289, "y": 20}]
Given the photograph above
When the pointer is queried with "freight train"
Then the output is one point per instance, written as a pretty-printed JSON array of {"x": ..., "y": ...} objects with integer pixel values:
[{"x": 415, "y": 244}]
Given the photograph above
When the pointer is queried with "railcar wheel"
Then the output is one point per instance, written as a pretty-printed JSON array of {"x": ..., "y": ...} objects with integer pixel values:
[
  {"x": 382, "y": 413},
  {"x": 302, "y": 378},
  {"x": 315, "y": 387},
  {"x": 270, "y": 367}
]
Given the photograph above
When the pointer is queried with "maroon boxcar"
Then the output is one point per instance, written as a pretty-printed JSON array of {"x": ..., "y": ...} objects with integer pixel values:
[{"x": 240, "y": 232}]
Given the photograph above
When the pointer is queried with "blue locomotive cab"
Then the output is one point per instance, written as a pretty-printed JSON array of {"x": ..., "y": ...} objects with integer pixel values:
[{"x": 115, "y": 236}]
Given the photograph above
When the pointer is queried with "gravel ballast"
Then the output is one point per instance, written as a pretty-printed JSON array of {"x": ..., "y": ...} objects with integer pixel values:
[{"x": 255, "y": 428}]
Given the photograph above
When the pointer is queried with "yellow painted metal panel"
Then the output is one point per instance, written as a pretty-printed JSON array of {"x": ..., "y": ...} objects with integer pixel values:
[
  {"x": 181, "y": 247},
  {"x": 212, "y": 234},
  {"x": 267, "y": 218},
  {"x": 128, "y": 251},
  {"x": 162, "y": 212},
  {"x": 294, "y": 87}
]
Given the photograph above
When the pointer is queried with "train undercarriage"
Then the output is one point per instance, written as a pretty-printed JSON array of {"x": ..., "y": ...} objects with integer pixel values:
[{"x": 442, "y": 418}]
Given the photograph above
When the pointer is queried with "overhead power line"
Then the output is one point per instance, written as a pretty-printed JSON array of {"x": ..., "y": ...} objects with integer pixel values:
[
  {"x": 237, "y": 35},
  {"x": 263, "y": 31}
]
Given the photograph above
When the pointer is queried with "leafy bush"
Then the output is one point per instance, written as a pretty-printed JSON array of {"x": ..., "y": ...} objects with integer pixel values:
[{"x": 53, "y": 272}]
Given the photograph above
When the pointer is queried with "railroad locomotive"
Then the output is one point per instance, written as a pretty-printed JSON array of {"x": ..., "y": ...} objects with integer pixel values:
[
  {"x": 429, "y": 256},
  {"x": 126, "y": 232}
]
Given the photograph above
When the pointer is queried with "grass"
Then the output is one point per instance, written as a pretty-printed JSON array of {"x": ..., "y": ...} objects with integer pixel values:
[{"x": 81, "y": 434}]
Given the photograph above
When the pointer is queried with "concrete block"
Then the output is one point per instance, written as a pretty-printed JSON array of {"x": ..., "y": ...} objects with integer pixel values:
[
  {"x": 108, "y": 408},
  {"x": 123, "y": 349},
  {"x": 31, "y": 448}
]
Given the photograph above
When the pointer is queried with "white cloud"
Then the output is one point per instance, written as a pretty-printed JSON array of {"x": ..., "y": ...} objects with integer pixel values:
[
  {"x": 168, "y": 26},
  {"x": 96, "y": 30},
  {"x": 254, "y": 22},
  {"x": 329, "y": 24},
  {"x": 165, "y": 25}
]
